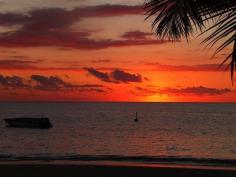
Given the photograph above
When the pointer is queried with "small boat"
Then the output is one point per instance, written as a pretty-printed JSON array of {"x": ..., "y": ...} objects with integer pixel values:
[{"x": 28, "y": 122}]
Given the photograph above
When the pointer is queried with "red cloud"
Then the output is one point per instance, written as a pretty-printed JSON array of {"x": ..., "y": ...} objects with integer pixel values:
[
  {"x": 66, "y": 39},
  {"x": 18, "y": 64},
  {"x": 51, "y": 27},
  {"x": 136, "y": 35},
  {"x": 101, "y": 61},
  {"x": 188, "y": 91},
  {"x": 108, "y": 11},
  {"x": 203, "y": 67},
  {"x": 199, "y": 91}
]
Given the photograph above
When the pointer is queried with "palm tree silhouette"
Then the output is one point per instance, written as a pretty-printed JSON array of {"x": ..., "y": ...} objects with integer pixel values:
[{"x": 176, "y": 19}]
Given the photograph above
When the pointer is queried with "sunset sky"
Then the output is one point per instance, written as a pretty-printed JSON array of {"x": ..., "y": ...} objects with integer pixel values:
[{"x": 101, "y": 50}]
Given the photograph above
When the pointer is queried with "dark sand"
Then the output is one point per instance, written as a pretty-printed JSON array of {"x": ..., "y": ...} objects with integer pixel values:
[{"x": 52, "y": 170}]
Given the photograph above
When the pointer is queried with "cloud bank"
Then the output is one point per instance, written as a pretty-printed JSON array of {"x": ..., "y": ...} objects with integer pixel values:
[
  {"x": 187, "y": 91},
  {"x": 47, "y": 83},
  {"x": 52, "y": 27}
]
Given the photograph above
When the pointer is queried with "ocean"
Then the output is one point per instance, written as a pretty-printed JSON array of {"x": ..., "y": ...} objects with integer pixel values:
[{"x": 203, "y": 133}]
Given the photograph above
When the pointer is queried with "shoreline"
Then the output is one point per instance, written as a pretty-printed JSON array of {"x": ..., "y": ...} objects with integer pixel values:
[
  {"x": 119, "y": 163},
  {"x": 97, "y": 170},
  {"x": 120, "y": 160}
]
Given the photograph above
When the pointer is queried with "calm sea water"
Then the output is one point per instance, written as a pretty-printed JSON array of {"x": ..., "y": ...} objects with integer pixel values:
[{"x": 99, "y": 130}]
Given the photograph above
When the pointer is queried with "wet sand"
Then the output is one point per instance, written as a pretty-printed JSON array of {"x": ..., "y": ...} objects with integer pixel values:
[{"x": 58, "y": 170}]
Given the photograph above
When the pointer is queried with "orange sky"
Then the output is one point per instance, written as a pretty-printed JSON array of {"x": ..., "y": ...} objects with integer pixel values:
[{"x": 101, "y": 51}]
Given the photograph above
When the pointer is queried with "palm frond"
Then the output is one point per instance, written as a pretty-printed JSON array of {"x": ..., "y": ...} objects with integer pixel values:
[
  {"x": 174, "y": 19},
  {"x": 224, "y": 30},
  {"x": 225, "y": 26},
  {"x": 233, "y": 62}
]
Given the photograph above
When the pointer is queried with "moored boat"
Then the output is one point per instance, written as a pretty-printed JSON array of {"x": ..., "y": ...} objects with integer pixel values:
[{"x": 28, "y": 122}]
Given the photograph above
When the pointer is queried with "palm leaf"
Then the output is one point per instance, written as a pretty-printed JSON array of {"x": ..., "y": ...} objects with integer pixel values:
[
  {"x": 174, "y": 19},
  {"x": 224, "y": 30}
]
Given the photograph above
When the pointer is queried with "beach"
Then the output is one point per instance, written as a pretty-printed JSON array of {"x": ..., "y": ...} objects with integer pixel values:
[{"x": 59, "y": 170}]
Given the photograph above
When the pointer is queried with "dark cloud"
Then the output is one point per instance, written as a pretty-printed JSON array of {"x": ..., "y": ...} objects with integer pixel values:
[
  {"x": 188, "y": 91},
  {"x": 108, "y": 10},
  {"x": 136, "y": 35},
  {"x": 41, "y": 38},
  {"x": 122, "y": 76},
  {"x": 19, "y": 64},
  {"x": 12, "y": 19},
  {"x": 90, "y": 86},
  {"x": 98, "y": 74},
  {"x": 47, "y": 83},
  {"x": 52, "y": 18},
  {"x": 12, "y": 82},
  {"x": 51, "y": 83},
  {"x": 67, "y": 39},
  {"x": 99, "y": 90},
  {"x": 52, "y": 27},
  {"x": 203, "y": 67},
  {"x": 116, "y": 76}
]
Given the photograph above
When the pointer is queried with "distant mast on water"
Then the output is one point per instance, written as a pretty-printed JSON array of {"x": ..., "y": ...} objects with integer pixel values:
[{"x": 136, "y": 117}]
